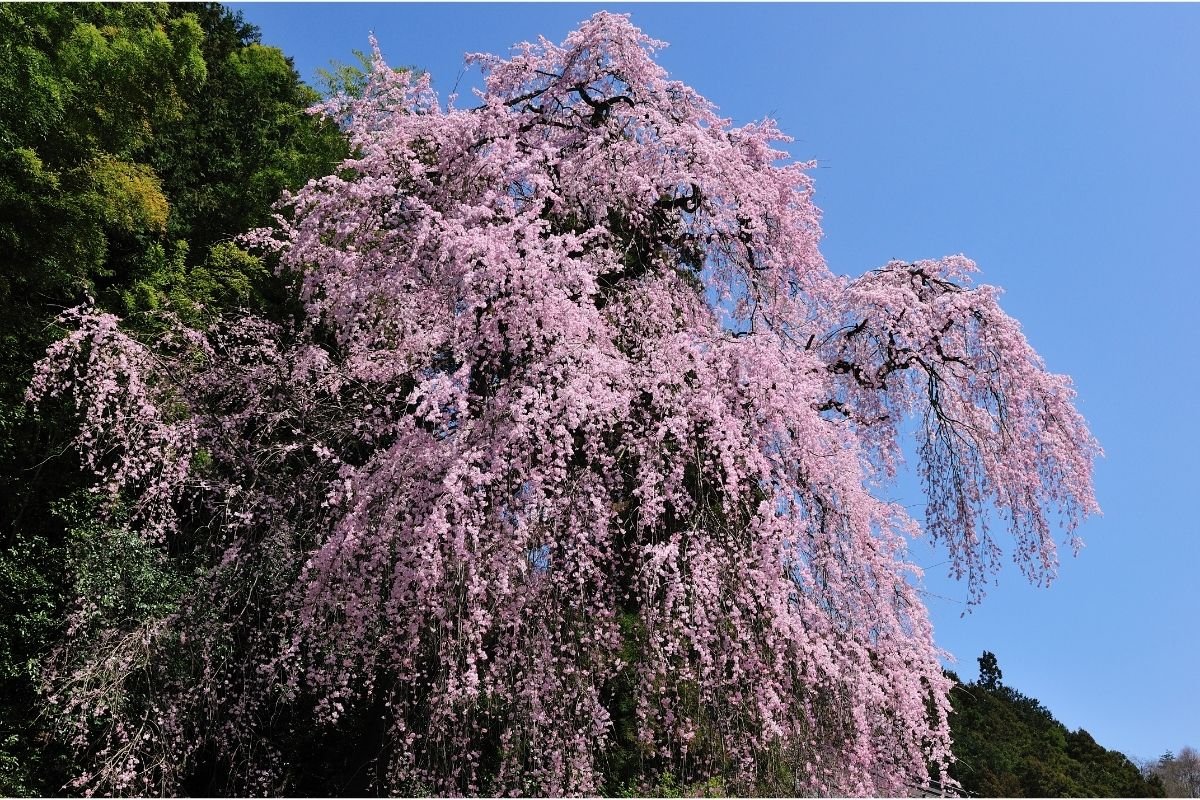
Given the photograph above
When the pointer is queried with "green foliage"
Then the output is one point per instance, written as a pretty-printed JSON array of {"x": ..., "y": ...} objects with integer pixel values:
[
  {"x": 125, "y": 579},
  {"x": 242, "y": 139},
  {"x": 34, "y": 584},
  {"x": 83, "y": 88},
  {"x": 1009, "y": 745},
  {"x": 668, "y": 786},
  {"x": 626, "y": 763},
  {"x": 89, "y": 78},
  {"x": 136, "y": 140},
  {"x": 344, "y": 78},
  {"x": 989, "y": 671},
  {"x": 350, "y": 79}
]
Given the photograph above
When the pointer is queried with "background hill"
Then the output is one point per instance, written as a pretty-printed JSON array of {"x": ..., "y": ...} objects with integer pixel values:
[{"x": 1010, "y": 745}]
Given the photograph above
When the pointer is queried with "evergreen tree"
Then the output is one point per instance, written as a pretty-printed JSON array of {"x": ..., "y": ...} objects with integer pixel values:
[{"x": 989, "y": 671}]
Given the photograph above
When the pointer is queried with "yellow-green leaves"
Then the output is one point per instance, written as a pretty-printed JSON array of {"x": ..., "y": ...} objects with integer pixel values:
[{"x": 131, "y": 195}]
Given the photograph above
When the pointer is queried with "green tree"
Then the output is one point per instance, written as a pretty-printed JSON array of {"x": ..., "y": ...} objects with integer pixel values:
[
  {"x": 135, "y": 141},
  {"x": 83, "y": 88},
  {"x": 345, "y": 78},
  {"x": 989, "y": 671},
  {"x": 245, "y": 135}
]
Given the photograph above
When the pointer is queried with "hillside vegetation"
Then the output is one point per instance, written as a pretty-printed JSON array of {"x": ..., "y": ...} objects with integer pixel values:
[{"x": 1009, "y": 745}]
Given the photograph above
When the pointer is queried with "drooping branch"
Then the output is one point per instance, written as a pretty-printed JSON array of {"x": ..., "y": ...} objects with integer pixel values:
[{"x": 986, "y": 402}]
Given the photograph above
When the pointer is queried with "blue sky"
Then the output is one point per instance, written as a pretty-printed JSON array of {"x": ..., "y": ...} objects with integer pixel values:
[{"x": 1054, "y": 144}]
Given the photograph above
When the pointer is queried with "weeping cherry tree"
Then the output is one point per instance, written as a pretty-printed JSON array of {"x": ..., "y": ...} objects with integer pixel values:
[{"x": 569, "y": 475}]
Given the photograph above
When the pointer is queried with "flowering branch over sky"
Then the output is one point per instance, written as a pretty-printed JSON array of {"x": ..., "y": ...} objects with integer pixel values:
[{"x": 577, "y": 447}]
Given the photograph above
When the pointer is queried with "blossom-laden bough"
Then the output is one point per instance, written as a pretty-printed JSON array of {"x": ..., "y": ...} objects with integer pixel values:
[{"x": 568, "y": 476}]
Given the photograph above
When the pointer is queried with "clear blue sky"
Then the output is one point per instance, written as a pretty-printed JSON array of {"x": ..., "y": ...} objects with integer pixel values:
[{"x": 1058, "y": 146}]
